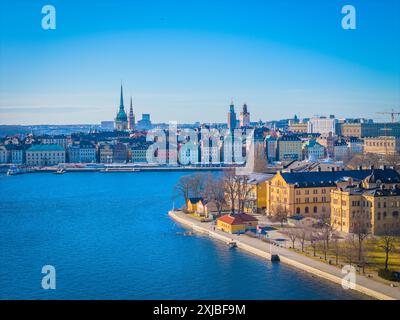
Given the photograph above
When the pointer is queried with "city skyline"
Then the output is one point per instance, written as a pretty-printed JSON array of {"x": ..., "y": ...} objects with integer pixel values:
[{"x": 184, "y": 62}]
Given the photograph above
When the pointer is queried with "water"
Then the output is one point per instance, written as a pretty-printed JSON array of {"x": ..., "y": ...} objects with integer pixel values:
[{"x": 109, "y": 237}]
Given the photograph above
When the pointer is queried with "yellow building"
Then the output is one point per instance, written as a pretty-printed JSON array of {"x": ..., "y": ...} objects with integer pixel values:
[
  {"x": 309, "y": 193},
  {"x": 192, "y": 204},
  {"x": 257, "y": 198},
  {"x": 382, "y": 145},
  {"x": 289, "y": 148},
  {"x": 238, "y": 223},
  {"x": 375, "y": 209}
]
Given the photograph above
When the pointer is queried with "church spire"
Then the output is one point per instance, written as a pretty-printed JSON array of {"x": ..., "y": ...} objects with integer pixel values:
[
  {"x": 121, "y": 99},
  {"x": 131, "y": 105}
]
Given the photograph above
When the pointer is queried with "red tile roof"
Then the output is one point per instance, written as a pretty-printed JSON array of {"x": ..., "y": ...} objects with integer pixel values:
[{"x": 237, "y": 218}]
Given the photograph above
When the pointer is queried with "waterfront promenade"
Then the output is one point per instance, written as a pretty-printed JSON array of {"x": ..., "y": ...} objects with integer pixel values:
[{"x": 264, "y": 250}]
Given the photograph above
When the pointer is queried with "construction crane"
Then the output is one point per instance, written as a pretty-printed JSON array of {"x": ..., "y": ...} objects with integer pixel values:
[{"x": 392, "y": 114}]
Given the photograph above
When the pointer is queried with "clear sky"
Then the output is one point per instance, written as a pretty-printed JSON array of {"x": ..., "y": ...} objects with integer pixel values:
[{"x": 185, "y": 60}]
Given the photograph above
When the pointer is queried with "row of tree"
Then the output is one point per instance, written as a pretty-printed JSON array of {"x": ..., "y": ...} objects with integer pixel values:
[{"x": 226, "y": 190}]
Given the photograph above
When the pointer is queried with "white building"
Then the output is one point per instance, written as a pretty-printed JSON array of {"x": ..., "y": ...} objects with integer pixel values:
[
  {"x": 322, "y": 125},
  {"x": 45, "y": 155},
  {"x": 87, "y": 152},
  {"x": 3, "y": 154}
]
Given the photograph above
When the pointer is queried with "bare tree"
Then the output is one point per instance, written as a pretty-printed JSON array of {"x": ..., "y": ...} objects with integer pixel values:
[
  {"x": 361, "y": 231},
  {"x": 387, "y": 243},
  {"x": 315, "y": 238},
  {"x": 243, "y": 189},
  {"x": 229, "y": 183},
  {"x": 336, "y": 246},
  {"x": 303, "y": 233},
  {"x": 292, "y": 233},
  {"x": 349, "y": 246},
  {"x": 214, "y": 192},
  {"x": 280, "y": 214},
  {"x": 190, "y": 186}
]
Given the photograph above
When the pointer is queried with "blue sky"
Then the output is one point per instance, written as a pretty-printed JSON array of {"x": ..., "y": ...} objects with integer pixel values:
[{"x": 185, "y": 60}]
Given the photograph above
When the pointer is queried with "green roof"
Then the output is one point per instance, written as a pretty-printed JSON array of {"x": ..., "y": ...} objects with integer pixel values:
[{"x": 46, "y": 147}]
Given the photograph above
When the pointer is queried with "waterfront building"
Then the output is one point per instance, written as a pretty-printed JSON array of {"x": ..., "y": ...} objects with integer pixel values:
[
  {"x": 139, "y": 152},
  {"x": 87, "y": 152},
  {"x": 377, "y": 210},
  {"x": 121, "y": 120},
  {"x": 362, "y": 130},
  {"x": 45, "y": 155},
  {"x": 106, "y": 152},
  {"x": 131, "y": 119},
  {"x": 322, "y": 125},
  {"x": 16, "y": 153},
  {"x": 382, "y": 145},
  {"x": 313, "y": 150},
  {"x": 232, "y": 117},
  {"x": 120, "y": 153},
  {"x": 61, "y": 140},
  {"x": 193, "y": 203},
  {"x": 244, "y": 117},
  {"x": 289, "y": 148},
  {"x": 309, "y": 192},
  {"x": 73, "y": 153},
  {"x": 237, "y": 223},
  {"x": 3, "y": 154}
]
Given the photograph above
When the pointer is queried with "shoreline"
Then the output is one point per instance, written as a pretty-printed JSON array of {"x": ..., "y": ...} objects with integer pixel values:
[{"x": 364, "y": 285}]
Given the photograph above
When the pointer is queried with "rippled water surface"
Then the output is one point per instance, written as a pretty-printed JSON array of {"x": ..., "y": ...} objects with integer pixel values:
[{"x": 109, "y": 237}]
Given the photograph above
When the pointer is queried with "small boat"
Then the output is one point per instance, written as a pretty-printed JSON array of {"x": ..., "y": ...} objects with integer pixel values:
[
  {"x": 13, "y": 171},
  {"x": 232, "y": 244},
  {"x": 60, "y": 171}
]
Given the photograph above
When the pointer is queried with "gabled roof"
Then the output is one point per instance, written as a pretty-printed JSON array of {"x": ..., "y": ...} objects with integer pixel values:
[
  {"x": 196, "y": 199},
  {"x": 237, "y": 218}
]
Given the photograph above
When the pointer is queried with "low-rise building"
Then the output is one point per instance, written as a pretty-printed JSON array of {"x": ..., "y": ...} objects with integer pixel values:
[
  {"x": 237, "y": 223},
  {"x": 45, "y": 155}
]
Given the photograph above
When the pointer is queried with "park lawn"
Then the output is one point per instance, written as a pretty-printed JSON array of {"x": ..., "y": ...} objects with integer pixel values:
[{"x": 375, "y": 256}]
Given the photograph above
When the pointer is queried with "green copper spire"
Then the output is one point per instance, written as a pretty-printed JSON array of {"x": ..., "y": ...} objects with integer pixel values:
[{"x": 121, "y": 100}]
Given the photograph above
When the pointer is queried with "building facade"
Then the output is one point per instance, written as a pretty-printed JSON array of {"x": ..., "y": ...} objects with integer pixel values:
[
  {"x": 382, "y": 145},
  {"x": 45, "y": 155},
  {"x": 289, "y": 148}
]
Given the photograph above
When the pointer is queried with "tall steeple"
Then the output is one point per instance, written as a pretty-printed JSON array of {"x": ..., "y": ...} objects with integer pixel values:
[
  {"x": 131, "y": 118},
  {"x": 121, "y": 99},
  {"x": 121, "y": 120}
]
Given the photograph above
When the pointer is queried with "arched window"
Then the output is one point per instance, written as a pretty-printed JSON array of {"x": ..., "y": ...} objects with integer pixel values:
[
  {"x": 315, "y": 209},
  {"x": 297, "y": 210},
  {"x": 306, "y": 210}
]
